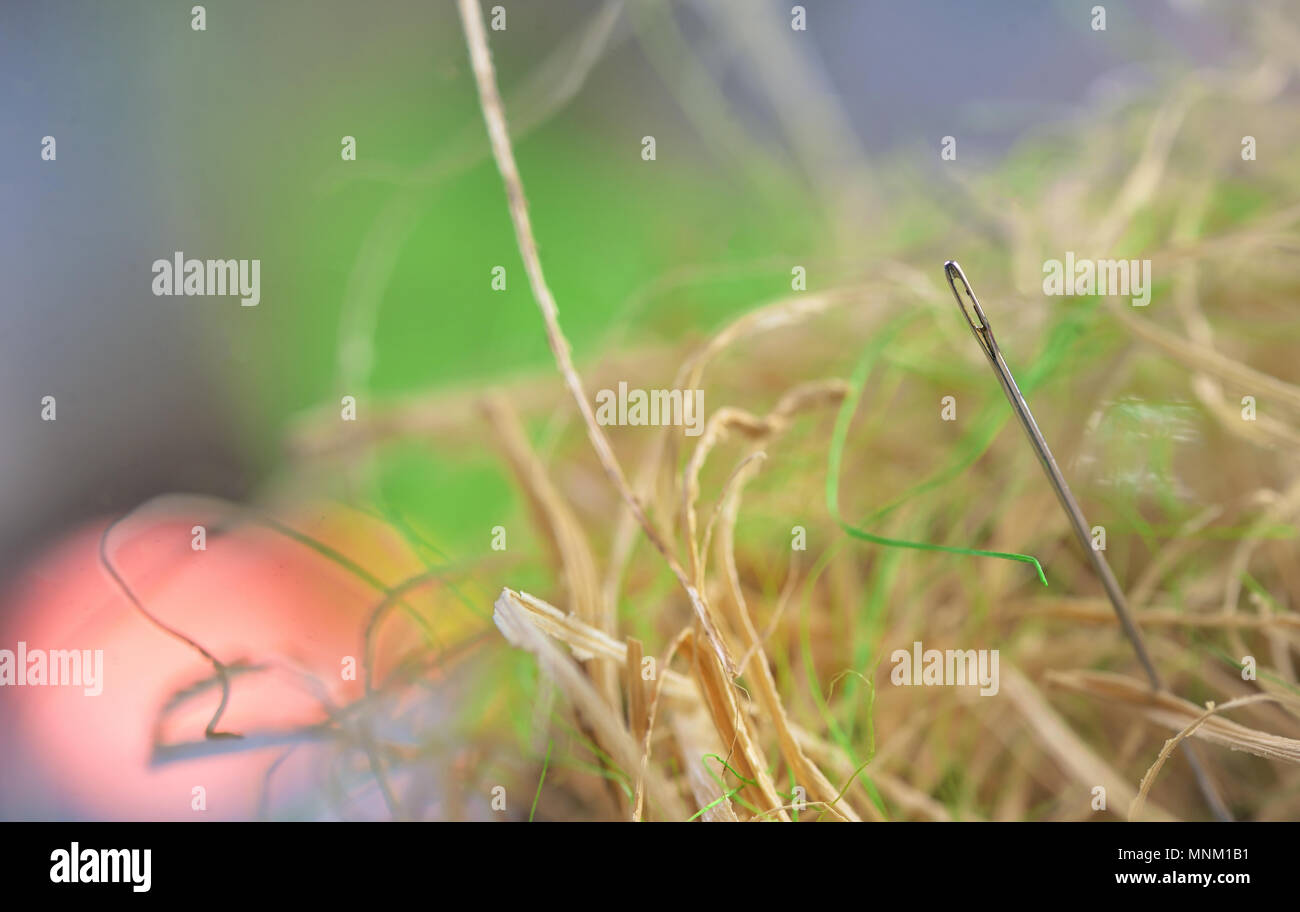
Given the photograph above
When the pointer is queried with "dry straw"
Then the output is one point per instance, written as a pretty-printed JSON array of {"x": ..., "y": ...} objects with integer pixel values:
[{"x": 695, "y": 744}]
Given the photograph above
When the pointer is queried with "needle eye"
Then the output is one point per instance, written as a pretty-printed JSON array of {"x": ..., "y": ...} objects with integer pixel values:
[
  {"x": 970, "y": 307},
  {"x": 969, "y": 304}
]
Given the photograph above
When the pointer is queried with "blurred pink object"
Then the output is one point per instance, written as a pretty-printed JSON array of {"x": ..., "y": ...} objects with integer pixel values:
[{"x": 253, "y": 595}]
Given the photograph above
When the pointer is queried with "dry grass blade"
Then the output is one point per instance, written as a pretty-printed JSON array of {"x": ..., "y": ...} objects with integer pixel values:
[
  {"x": 1177, "y": 713},
  {"x": 638, "y": 718},
  {"x": 1135, "y": 809},
  {"x": 1199, "y": 487},
  {"x": 1099, "y": 611},
  {"x": 561, "y": 531},
  {"x": 726, "y": 421},
  {"x": 1207, "y": 359},
  {"x": 652, "y": 711},
  {"x": 568, "y": 542},
  {"x": 495, "y": 118},
  {"x": 695, "y": 739},
  {"x": 734, "y": 730},
  {"x": 805, "y": 771},
  {"x": 782, "y": 314},
  {"x": 517, "y": 627},
  {"x": 782, "y": 601},
  {"x": 638, "y": 711},
  {"x": 1078, "y": 760},
  {"x": 587, "y": 642}
]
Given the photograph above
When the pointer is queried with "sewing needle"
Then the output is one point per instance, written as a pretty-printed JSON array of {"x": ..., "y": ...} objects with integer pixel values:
[{"x": 983, "y": 332}]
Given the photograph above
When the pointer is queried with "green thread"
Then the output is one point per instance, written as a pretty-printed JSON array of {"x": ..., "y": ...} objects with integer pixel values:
[
  {"x": 541, "y": 779},
  {"x": 810, "y": 666},
  {"x": 712, "y": 804},
  {"x": 835, "y": 458},
  {"x": 727, "y": 767}
]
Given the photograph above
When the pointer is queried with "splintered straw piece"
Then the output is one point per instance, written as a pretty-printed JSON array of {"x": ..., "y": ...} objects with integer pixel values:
[{"x": 983, "y": 332}]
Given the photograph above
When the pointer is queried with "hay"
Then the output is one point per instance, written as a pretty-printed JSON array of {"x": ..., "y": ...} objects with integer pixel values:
[{"x": 768, "y": 663}]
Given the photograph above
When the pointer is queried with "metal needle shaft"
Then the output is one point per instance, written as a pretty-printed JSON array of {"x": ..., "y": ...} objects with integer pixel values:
[{"x": 983, "y": 332}]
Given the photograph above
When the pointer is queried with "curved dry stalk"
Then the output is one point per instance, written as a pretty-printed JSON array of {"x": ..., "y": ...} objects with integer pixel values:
[
  {"x": 701, "y": 98},
  {"x": 692, "y": 732},
  {"x": 1174, "y": 712},
  {"x": 1147, "y": 173},
  {"x": 727, "y": 420},
  {"x": 732, "y": 724},
  {"x": 1209, "y": 390},
  {"x": 807, "y": 110},
  {"x": 1206, "y": 359},
  {"x": 652, "y": 710},
  {"x": 1080, "y": 762},
  {"x": 782, "y": 600},
  {"x": 494, "y": 116},
  {"x": 518, "y": 627},
  {"x": 1286, "y": 505},
  {"x": 1148, "y": 780},
  {"x": 781, "y": 314},
  {"x": 1264, "y": 81},
  {"x": 1183, "y": 542},
  {"x": 548, "y": 89},
  {"x": 563, "y": 533},
  {"x": 805, "y": 771},
  {"x": 586, "y": 642},
  {"x": 738, "y": 476}
]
